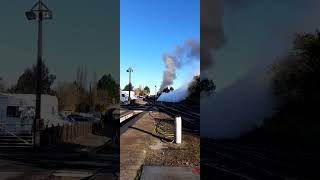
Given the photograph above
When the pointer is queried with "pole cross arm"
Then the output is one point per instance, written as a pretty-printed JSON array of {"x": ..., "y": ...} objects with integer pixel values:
[{"x": 37, "y": 9}]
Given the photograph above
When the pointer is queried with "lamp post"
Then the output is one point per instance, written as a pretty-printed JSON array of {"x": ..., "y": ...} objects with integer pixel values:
[
  {"x": 155, "y": 93},
  {"x": 130, "y": 70},
  {"x": 38, "y": 12}
]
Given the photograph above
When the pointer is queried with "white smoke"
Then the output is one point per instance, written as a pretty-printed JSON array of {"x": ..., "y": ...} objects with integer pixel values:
[
  {"x": 175, "y": 96},
  {"x": 184, "y": 54},
  {"x": 247, "y": 101}
]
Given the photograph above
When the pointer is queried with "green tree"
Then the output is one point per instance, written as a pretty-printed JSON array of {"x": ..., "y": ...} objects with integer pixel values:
[
  {"x": 110, "y": 86},
  {"x": 128, "y": 87},
  {"x": 198, "y": 86},
  {"x": 2, "y": 84},
  {"x": 296, "y": 86},
  {"x": 27, "y": 81},
  {"x": 67, "y": 94},
  {"x": 138, "y": 91},
  {"x": 296, "y": 78},
  {"x": 146, "y": 90}
]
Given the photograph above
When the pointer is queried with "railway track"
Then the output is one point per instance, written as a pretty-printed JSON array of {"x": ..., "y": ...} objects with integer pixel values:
[
  {"x": 191, "y": 119},
  {"x": 190, "y": 110},
  {"x": 233, "y": 161},
  {"x": 221, "y": 159},
  {"x": 180, "y": 109}
]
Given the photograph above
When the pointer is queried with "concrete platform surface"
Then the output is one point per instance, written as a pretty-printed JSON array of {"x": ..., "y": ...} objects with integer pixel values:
[
  {"x": 169, "y": 173},
  {"x": 133, "y": 145},
  {"x": 125, "y": 114},
  {"x": 91, "y": 140}
]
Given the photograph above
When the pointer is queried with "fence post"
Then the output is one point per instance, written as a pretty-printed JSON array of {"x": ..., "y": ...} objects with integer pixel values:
[
  {"x": 91, "y": 127},
  {"x": 82, "y": 129},
  {"x": 54, "y": 134},
  {"x": 74, "y": 131},
  {"x": 71, "y": 134},
  {"x": 48, "y": 134},
  {"x": 67, "y": 129},
  {"x": 87, "y": 128},
  {"x": 77, "y": 129},
  {"x": 63, "y": 133},
  {"x": 59, "y": 133},
  {"x": 68, "y": 132}
]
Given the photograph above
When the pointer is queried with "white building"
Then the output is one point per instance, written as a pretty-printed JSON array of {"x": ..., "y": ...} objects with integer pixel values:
[
  {"x": 132, "y": 94},
  {"x": 17, "y": 111},
  {"x": 123, "y": 98}
]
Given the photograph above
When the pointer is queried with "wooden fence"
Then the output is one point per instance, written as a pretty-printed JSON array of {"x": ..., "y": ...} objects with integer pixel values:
[{"x": 66, "y": 133}]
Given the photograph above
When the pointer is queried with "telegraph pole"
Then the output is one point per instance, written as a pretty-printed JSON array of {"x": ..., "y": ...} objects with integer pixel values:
[{"x": 38, "y": 12}]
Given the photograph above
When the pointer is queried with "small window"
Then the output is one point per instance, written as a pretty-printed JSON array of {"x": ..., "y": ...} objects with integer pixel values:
[
  {"x": 123, "y": 95},
  {"x": 13, "y": 111},
  {"x": 53, "y": 111}
]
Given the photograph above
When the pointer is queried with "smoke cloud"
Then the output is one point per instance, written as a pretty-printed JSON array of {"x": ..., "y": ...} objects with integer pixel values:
[
  {"x": 176, "y": 95},
  {"x": 238, "y": 108},
  {"x": 212, "y": 32},
  {"x": 183, "y": 54},
  {"x": 244, "y": 103}
]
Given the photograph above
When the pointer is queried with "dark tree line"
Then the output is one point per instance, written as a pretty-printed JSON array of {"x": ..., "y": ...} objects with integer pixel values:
[
  {"x": 2, "y": 85},
  {"x": 26, "y": 83},
  {"x": 296, "y": 86},
  {"x": 128, "y": 87},
  {"x": 98, "y": 97},
  {"x": 73, "y": 96},
  {"x": 199, "y": 86}
]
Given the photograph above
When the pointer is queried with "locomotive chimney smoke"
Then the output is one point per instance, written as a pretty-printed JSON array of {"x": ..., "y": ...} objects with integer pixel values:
[
  {"x": 183, "y": 55},
  {"x": 170, "y": 73},
  {"x": 212, "y": 31}
]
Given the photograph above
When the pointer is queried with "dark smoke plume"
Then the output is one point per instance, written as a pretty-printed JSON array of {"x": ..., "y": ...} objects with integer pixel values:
[
  {"x": 212, "y": 39},
  {"x": 183, "y": 54},
  {"x": 211, "y": 29},
  {"x": 245, "y": 103}
]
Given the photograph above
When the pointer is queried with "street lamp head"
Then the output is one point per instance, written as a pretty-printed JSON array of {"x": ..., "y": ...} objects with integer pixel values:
[
  {"x": 47, "y": 14},
  {"x": 31, "y": 15},
  {"x": 42, "y": 12},
  {"x": 129, "y": 69}
]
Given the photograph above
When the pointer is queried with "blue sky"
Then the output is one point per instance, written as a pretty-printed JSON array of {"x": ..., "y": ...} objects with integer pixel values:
[
  {"x": 149, "y": 28},
  {"x": 81, "y": 33}
]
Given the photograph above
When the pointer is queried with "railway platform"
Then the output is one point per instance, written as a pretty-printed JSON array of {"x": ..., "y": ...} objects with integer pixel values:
[{"x": 141, "y": 150}]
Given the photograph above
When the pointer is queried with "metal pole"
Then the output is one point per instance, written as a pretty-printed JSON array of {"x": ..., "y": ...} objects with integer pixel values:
[
  {"x": 155, "y": 93},
  {"x": 39, "y": 75},
  {"x": 129, "y": 84}
]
